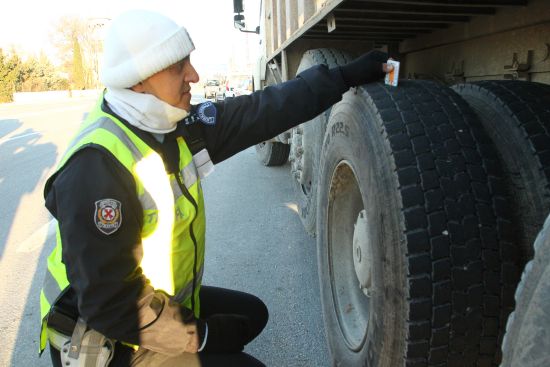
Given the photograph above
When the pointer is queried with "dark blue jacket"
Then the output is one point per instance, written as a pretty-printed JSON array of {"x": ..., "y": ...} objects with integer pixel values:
[
  {"x": 244, "y": 121},
  {"x": 105, "y": 269}
]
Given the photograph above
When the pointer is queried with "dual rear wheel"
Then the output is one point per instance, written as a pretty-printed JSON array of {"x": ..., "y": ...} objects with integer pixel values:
[
  {"x": 425, "y": 201},
  {"x": 415, "y": 245}
]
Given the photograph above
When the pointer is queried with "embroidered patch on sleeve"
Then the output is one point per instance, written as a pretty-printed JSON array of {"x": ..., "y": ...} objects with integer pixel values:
[
  {"x": 207, "y": 113},
  {"x": 108, "y": 215}
]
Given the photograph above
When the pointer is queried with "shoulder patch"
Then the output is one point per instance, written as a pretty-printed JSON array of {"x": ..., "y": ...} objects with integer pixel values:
[
  {"x": 108, "y": 215},
  {"x": 207, "y": 113}
]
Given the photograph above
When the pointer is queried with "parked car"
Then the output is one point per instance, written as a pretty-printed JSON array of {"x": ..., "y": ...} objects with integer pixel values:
[
  {"x": 220, "y": 96},
  {"x": 211, "y": 87}
]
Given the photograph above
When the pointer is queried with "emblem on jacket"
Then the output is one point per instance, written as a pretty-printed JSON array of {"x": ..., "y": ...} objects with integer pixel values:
[
  {"x": 207, "y": 113},
  {"x": 108, "y": 215}
]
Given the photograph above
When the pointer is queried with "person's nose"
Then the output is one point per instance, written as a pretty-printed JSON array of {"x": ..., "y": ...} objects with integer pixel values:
[{"x": 191, "y": 75}]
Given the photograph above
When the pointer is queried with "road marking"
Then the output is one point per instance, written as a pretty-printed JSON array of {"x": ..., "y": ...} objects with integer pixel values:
[
  {"x": 5, "y": 140},
  {"x": 37, "y": 239}
]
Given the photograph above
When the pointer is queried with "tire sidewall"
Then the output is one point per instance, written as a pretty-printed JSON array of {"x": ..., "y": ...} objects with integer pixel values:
[
  {"x": 272, "y": 153},
  {"x": 263, "y": 150},
  {"x": 313, "y": 131},
  {"x": 526, "y": 343},
  {"x": 525, "y": 178},
  {"x": 313, "y": 134},
  {"x": 353, "y": 135}
]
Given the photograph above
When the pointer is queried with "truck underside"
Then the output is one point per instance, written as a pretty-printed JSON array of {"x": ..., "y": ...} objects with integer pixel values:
[{"x": 448, "y": 41}]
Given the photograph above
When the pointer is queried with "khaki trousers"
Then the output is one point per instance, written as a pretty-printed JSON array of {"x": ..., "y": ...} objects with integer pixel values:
[{"x": 144, "y": 357}]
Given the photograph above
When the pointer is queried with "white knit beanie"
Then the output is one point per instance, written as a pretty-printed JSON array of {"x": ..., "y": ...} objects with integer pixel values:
[{"x": 140, "y": 43}]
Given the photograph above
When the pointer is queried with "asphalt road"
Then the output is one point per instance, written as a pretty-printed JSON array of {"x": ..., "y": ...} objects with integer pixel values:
[{"x": 255, "y": 242}]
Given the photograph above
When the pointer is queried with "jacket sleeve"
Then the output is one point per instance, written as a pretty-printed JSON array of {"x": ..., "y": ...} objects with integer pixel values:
[
  {"x": 248, "y": 120},
  {"x": 114, "y": 297}
]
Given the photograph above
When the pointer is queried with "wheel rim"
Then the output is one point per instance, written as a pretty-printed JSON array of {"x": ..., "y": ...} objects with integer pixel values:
[{"x": 349, "y": 256}]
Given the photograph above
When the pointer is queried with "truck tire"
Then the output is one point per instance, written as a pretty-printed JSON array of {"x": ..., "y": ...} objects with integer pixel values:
[
  {"x": 415, "y": 259},
  {"x": 526, "y": 342},
  {"x": 272, "y": 153},
  {"x": 516, "y": 115},
  {"x": 306, "y": 142}
]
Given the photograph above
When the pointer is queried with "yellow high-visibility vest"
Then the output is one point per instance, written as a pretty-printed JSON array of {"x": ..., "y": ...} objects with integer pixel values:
[{"x": 169, "y": 218}]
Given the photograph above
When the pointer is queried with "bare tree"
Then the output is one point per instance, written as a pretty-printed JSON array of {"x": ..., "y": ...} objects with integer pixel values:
[{"x": 81, "y": 34}]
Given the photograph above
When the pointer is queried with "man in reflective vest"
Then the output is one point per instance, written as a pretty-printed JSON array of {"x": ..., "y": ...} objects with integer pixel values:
[{"x": 123, "y": 284}]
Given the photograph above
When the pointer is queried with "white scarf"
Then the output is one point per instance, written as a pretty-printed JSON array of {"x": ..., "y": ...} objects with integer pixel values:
[{"x": 144, "y": 111}]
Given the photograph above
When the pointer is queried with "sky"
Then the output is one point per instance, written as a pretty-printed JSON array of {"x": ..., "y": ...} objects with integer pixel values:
[{"x": 28, "y": 24}]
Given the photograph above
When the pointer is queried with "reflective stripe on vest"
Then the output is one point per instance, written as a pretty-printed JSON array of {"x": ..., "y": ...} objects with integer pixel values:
[{"x": 168, "y": 251}]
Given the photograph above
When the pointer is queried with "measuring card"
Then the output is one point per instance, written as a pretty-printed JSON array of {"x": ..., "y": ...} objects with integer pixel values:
[{"x": 393, "y": 76}]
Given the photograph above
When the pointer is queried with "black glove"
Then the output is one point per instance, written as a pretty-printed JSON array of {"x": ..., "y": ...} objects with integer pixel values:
[
  {"x": 227, "y": 333},
  {"x": 365, "y": 69}
]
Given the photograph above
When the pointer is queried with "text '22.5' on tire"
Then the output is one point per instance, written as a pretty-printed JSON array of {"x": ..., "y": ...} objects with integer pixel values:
[{"x": 413, "y": 249}]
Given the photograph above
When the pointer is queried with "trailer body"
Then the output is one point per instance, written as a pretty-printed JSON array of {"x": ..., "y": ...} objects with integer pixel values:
[{"x": 425, "y": 198}]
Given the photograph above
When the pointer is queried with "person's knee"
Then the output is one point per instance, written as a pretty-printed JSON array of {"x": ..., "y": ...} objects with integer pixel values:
[
  {"x": 264, "y": 312},
  {"x": 260, "y": 316}
]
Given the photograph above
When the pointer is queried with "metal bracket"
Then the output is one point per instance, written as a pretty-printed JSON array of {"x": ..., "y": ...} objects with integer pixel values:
[
  {"x": 275, "y": 71},
  {"x": 547, "y": 55},
  {"x": 331, "y": 22},
  {"x": 517, "y": 70},
  {"x": 456, "y": 75}
]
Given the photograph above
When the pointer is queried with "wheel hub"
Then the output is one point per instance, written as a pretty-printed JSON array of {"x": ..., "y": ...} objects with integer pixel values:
[{"x": 362, "y": 258}]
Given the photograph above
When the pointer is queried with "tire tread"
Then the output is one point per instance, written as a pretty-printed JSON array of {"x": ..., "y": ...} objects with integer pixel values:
[{"x": 449, "y": 202}]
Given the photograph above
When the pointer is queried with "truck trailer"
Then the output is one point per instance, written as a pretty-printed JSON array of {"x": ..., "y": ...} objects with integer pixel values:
[{"x": 427, "y": 200}]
